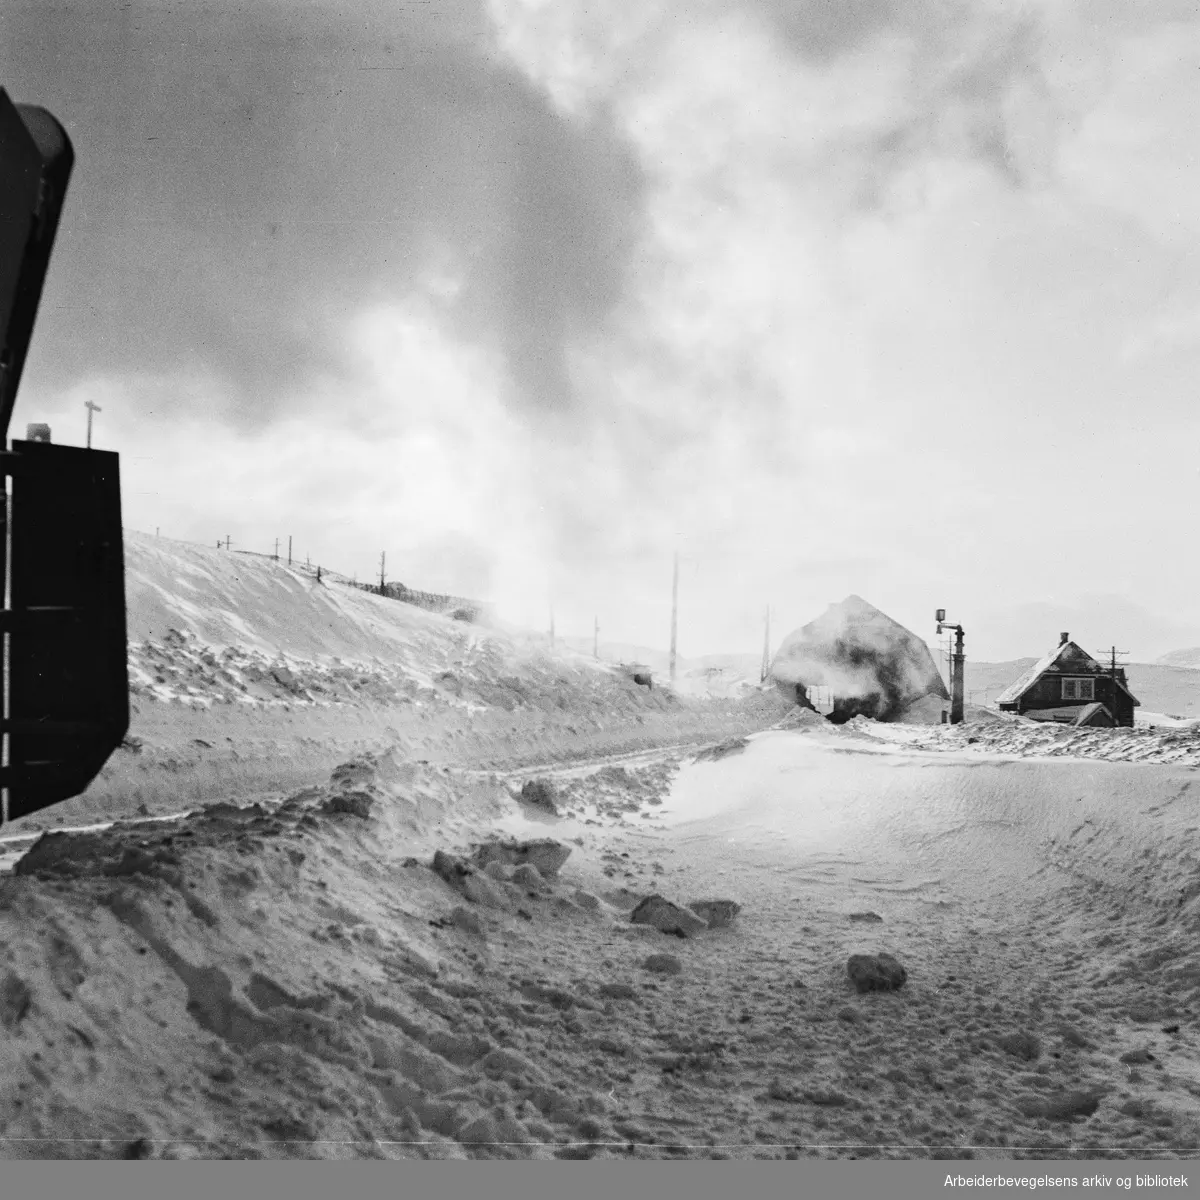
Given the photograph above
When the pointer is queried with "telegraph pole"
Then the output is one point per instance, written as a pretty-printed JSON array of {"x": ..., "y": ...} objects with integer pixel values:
[
  {"x": 1112, "y": 673},
  {"x": 276, "y": 554},
  {"x": 957, "y": 662},
  {"x": 382, "y": 565},
  {"x": 766, "y": 658},
  {"x": 674, "y": 612},
  {"x": 289, "y": 549},
  {"x": 92, "y": 408}
]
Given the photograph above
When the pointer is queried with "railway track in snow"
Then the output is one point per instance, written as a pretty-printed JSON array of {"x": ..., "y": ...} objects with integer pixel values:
[
  {"x": 14, "y": 846},
  {"x": 593, "y": 762}
]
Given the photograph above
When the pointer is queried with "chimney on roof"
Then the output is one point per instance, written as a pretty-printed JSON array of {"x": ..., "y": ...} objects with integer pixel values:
[{"x": 1063, "y": 638}]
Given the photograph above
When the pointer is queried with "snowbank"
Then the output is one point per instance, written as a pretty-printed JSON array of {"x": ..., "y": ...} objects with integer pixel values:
[{"x": 1003, "y": 733}]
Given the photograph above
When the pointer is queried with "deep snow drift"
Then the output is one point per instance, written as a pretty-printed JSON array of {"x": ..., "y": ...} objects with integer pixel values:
[
  {"x": 296, "y": 980},
  {"x": 250, "y": 677}
]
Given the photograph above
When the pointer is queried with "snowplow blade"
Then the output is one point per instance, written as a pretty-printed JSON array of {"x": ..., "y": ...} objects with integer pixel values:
[{"x": 64, "y": 634}]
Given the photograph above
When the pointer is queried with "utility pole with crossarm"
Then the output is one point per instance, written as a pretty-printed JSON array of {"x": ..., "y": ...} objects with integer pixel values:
[
  {"x": 1113, "y": 678},
  {"x": 91, "y": 408}
]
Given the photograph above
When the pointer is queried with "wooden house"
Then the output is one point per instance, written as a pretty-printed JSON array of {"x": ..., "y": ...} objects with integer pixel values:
[{"x": 1070, "y": 687}]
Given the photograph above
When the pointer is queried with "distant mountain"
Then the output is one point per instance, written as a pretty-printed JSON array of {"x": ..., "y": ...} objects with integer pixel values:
[
  {"x": 1094, "y": 622},
  {"x": 983, "y": 682},
  {"x": 1182, "y": 658}
]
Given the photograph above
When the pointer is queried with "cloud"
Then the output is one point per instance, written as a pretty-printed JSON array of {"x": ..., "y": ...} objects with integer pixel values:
[
  {"x": 426, "y": 464},
  {"x": 1134, "y": 148},
  {"x": 248, "y": 178},
  {"x": 737, "y": 357},
  {"x": 535, "y": 293},
  {"x": 1170, "y": 331},
  {"x": 876, "y": 84}
]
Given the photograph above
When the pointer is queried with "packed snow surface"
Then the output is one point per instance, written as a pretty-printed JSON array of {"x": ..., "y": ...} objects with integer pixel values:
[{"x": 931, "y": 828}]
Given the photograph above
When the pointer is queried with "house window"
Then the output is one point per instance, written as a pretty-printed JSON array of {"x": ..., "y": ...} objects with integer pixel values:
[{"x": 1078, "y": 689}]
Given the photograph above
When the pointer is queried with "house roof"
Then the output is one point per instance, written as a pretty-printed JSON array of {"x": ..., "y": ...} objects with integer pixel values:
[
  {"x": 1023, "y": 683},
  {"x": 1071, "y": 714},
  {"x": 1068, "y": 658},
  {"x": 1088, "y": 711}
]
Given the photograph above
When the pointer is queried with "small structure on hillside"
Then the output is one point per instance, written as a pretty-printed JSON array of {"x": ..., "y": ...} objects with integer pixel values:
[
  {"x": 854, "y": 660},
  {"x": 1070, "y": 687}
]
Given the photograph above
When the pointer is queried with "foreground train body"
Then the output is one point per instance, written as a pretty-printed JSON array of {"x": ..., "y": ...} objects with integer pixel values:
[{"x": 62, "y": 580}]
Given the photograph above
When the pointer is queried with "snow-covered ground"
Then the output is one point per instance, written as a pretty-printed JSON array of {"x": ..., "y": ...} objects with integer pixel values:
[
  {"x": 296, "y": 981},
  {"x": 987, "y": 732},
  {"x": 247, "y": 678},
  {"x": 289, "y": 975},
  {"x": 892, "y": 826},
  {"x": 1143, "y": 719}
]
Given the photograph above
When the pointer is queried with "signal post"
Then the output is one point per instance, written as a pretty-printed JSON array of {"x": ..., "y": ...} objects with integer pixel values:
[{"x": 957, "y": 663}]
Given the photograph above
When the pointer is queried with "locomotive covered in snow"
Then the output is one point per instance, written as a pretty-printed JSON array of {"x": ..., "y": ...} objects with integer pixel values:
[{"x": 853, "y": 661}]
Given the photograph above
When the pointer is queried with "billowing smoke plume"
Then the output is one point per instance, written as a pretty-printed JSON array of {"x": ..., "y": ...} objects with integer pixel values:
[{"x": 870, "y": 664}]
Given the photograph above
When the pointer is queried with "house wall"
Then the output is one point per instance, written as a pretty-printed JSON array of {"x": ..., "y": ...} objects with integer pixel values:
[{"x": 1047, "y": 693}]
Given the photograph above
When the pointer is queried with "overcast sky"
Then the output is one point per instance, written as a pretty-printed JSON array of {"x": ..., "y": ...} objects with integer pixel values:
[{"x": 891, "y": 297}]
